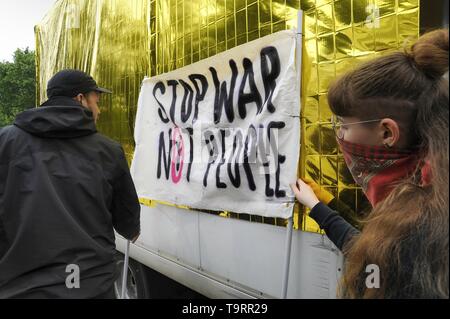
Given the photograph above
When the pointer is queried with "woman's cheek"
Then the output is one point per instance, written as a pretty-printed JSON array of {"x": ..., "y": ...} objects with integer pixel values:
[{"x": 358, "y": 136}]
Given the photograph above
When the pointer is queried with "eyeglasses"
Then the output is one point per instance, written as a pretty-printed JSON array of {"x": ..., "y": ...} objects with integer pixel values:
[{"x": 338, "y": 125}]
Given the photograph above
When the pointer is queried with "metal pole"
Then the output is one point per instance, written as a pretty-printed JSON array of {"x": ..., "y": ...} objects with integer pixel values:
[
  {"x": 290, "y": 225},
  {"x": 125, "y": 269},
  {"x": 299, "y": 52},
  {"x": 287, "y": 260}
]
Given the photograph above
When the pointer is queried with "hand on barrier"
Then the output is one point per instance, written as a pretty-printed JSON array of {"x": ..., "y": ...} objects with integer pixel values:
[
  {"x": 305, "y": 194},
  {"x": 323, "y": 195}
]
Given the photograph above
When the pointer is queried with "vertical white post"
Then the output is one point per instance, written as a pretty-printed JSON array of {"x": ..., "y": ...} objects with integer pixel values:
[
  {"x": 125, "y": 270},
  {"x": 287, "y": 260},
  {"x": 299, "y": 53}
]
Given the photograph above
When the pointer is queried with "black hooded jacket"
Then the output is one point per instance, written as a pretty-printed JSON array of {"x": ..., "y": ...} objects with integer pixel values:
[{"x": 63, "y": 188}]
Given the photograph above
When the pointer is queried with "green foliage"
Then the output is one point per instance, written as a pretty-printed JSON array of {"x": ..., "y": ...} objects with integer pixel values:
[{"x": 17, "y": 85}]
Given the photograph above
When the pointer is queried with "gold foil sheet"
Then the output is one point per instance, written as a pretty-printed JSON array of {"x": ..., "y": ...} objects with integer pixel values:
[{"x": 121, "y": 41}]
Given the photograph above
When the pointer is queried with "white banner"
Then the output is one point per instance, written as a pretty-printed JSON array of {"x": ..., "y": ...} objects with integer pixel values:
[{"x": 223, "y": 134}]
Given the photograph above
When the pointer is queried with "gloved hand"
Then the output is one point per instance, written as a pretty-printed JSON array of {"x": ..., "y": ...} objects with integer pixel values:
[
  {"x": 324, "y": 196},
  {"x": 304, "y": 194}
]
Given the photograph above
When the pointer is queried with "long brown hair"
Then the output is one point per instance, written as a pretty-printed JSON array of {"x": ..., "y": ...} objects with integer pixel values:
[{"x": 406, "y": 235}]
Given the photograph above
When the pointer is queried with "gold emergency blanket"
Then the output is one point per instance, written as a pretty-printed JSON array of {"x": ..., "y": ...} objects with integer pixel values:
[{"x": 121, "y": 41}]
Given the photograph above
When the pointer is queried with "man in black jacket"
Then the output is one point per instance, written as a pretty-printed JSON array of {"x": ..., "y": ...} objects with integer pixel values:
[{"x": 64, "y": 188}]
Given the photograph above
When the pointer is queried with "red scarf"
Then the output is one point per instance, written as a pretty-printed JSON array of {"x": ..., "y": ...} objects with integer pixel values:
[{"x": 377, "y": 169}]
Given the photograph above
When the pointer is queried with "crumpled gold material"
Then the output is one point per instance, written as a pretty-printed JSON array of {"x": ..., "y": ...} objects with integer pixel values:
[{"x": 121, "y": 41}]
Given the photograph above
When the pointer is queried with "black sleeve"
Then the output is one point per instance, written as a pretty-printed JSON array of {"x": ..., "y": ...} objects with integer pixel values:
[
  {"x": 3, "y": 240},
  {"x": 346, "y": 212},
  {"x": 126, "y": 209},
  {"x": 337, "y": 229}
]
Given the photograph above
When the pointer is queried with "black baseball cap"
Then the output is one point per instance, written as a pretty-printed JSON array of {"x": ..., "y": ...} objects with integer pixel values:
[{"x": 70, "y": 83}]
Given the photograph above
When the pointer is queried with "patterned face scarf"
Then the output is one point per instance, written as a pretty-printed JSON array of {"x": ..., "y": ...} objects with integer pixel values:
[{"x": 377, "y": 169}]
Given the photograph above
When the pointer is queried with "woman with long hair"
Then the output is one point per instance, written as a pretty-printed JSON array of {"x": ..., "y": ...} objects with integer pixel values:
[{"x": 391, "y": 120}]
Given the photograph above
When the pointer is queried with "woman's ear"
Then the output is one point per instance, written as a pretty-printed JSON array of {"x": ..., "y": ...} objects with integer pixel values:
[{"x": 390, "y": 132}]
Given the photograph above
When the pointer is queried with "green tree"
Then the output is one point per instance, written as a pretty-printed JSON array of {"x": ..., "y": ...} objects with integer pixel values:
[{"x": 17, "y": 85}]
